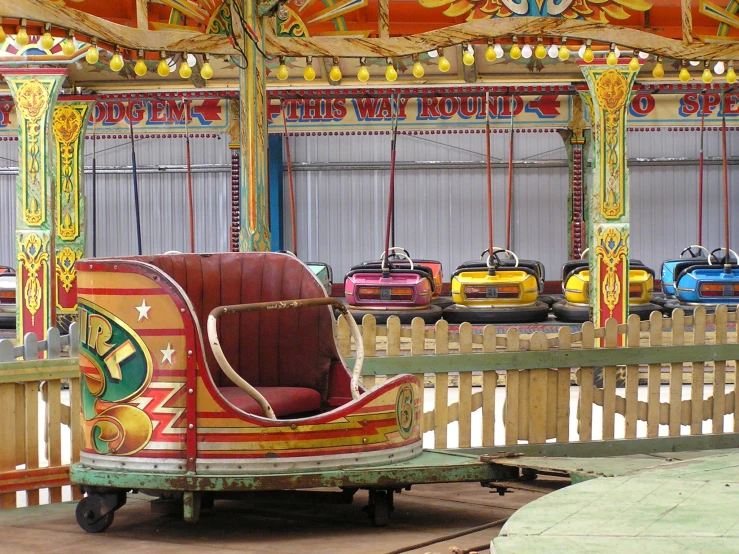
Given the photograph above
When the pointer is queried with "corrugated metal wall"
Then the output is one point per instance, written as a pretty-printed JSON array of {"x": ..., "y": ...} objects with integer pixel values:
[
  {"x": 162, "y": 196},
  {"x": 440, "y": 213}
]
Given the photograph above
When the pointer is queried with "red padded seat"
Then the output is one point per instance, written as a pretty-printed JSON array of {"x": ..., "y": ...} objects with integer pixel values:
[{"x": 284, "y": 400}]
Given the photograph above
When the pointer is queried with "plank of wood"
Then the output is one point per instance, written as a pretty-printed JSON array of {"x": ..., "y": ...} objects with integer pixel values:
[
  {"x": 418, "y": 348},
  {"x": 369, "y": 341},
  {"x": 511, "y": 407},
  {"x": 54, "y": 433},
  {"x": 31, "y": 453},
  {"x": 719, "y": 374},
  {"x": 142, "y": 14},
  {"x": 489, "y": 384},
  {"x": 687, "y": 20},
  {"x": 632, "y": 380},
  {"x": 585, "y": 408},
  {"x": 75, "y": 408},
  {"x": 441, "y": 388},
  {"x": 538, "y": 389},
  {"x": 20, "y": 423},
  {"x": 552, "y": 402},
  {"x": 465, "y": 389},
  {"x": 676, "y": 374},
  {"x": 343, "y": 336},
  {"x": 393, "y": 336},
  {"x": 698, "y": 377},
  {"x": 7, "y": 437},
  {"x": 563, "y": 389},
  {"x": 383, "y": 18},
  {"x": 654, "y": 377},
  {"x": 609, "y": 382}
]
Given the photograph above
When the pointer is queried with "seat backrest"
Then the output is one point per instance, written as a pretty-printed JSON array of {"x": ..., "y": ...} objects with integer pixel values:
[{"x": 287, "y": 348}]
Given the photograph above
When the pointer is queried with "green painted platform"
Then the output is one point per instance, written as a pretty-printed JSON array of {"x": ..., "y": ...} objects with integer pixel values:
[{"x": 687, "y": 502}]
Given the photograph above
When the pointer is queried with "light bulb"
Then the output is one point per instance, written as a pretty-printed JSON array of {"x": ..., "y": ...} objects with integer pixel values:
[
  {"x": 206, "y": 72},
  {"x": 116, "y": 62},
  {"x": 634, "y": 63},
  {"x": 468, "y": 58},
  {"x": 617, "y": 51},
  {"x": 418, "y": 70},
  {"x": 309, "y": 73},
  {"x": 140, "y": 68},
  {"x": 719, "y": 68},
  {"x": 391, "y": 74},
  {"x": 3, "y": 36},
  {"x": 490, "y": 54},
  {"x": 163, "y": 68},
  {"x": 335, "y": 73},
  {"x": 588, "y": 55},
  {"x": 185, "y": 70},
  {"x": 707, "y": 76},
  {"x": 730, "y": 76},
  {"x": 433, "y": 54},
  {"x": 21, "y": 37},
  {"x": 540, "y": 51},
  {"x": 363, "y": 74},
  {"x": 515, "y": 51},
  {"x": 553, "y": 51},
  {"x": 564, "y": 53},
  {"x": 694, "y": 63},
  {"x": 581, "y": 51},
  {"x": 659, "y": 71},
  {"x": 684, "y": 75},
  {"x": 526, "y": 51},
  {"x": 612, "y": 59},
  {"x": 92, "y": 55},
  {"x": 499, "y": 52},
  {"x": 444, "y": 64},
  {"x": 282, "y": 72},
  {"x": 47, "y": 41},
  {"x": 191, "y": 60},
  {"x": 68, "y": 47},
  {"x": 643, "y": 55}
]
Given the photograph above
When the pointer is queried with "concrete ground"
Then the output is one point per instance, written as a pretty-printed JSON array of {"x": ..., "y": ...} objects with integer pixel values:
[{"x": 426, "y": 514}]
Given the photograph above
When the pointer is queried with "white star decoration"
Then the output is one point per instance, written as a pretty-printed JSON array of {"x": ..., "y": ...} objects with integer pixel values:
[
  {"x": 143, "y": 310},
  {"x": 167, "y": 354}
]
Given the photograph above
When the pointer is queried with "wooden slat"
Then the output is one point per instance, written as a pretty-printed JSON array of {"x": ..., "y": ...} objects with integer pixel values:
[
  {"x": 32, "y": 426},
  {"x": 393, "y": 336},
  {"x": 719, "y": 374},
  {"x": 75, "y": 408},
  {"x": 609, "y": 382},
  {"x": 441, "y": 390},
  {"x": 632, "y": 380},
  {"x": 511, "y": 389},
  {"x": 54, "y": 433},
  {"x": 369, "y": 340},
  {"x": 563, "y": 389},
  {"x": 33, "y": 479},
  {"x": 20, "y": 423},
  {"x": 465, "y": 389},
  {"x": 489, "y": 384},
  {"x": 538, "y": 389},
  {"x": 697, "y": 384},
  {"x": 7, "y": 437},
  {"x": 653, "y": 385},
  {"x": 344, "y": 337},
  {"x": 524, "y": 382},
  {"x": 585, "y": 409},
  {"x": 676, "y": 374},
  {"x": 418, "y": 348}
]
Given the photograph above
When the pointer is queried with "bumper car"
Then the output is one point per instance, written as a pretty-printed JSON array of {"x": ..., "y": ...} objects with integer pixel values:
[
  {"x": 394, "y": 285},
  {"x": 576, "y": 286},
  {"x": 267, "y": 403},
  {"x": 699, "y": 281},
  {"x": 8, "y": 284},
  {"x": 498, "y": 289},
  {"x": 692, "y": 255}
]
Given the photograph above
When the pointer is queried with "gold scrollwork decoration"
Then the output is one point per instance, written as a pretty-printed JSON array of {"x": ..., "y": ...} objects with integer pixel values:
[
  {"x": 612, "y": 91},
  {"x": 67, "y": 125},
  {"x": 612, "y": 250},
  {"x": 65, "y": 270},
  {"x": 32, "y": 100},
  {"x": 33, "y": 257}
]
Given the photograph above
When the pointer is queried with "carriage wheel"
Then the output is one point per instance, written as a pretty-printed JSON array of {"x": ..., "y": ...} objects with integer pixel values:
[
  {"x": 379, "y": 508},
  {"x": 89, "y": 516}
]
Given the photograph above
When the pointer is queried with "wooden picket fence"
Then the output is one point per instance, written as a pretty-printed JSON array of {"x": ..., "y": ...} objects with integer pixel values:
[
  {"x": 538, "y": 372},
  {"x": 33, "y": 381}
]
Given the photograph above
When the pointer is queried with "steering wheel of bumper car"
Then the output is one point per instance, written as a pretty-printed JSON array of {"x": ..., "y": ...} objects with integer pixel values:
[
  {"x": 496, "y": 259},
  {"x": 584, "y": 253},
  {"x": 397, "y": 253},
  {"x": 695, "y": 251},
  {"x": 723, "y": 260}
]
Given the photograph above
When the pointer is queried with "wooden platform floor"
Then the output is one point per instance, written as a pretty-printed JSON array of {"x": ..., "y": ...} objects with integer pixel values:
[
  {"x": 686, "y": 502},
  {"x": 426, "y": 513}
]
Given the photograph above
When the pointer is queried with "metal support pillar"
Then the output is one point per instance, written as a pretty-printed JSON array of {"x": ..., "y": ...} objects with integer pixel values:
[
  {"x": 35, "y": 91},
  {"x": 610, "y": 89},
  {"x": 276, "y": 213}
]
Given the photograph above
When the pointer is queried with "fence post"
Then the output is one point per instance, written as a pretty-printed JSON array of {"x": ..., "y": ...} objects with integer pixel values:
[
  {"x": 676, "y": 374},
  {"x": 369, "y": 340},
  {"x": 585, "y": 408},
  {"x": 696, "y": 388},
  {"x": 632, "y": 380},
  {"x": 441, "y": 388},
  {"x": 654, "y": 378},
  {"x": 489, "y": 385},
  {"x": 563, "y": 389},
  {"x": 719, "y": 373},
  {"x": 511, "y": 392}
]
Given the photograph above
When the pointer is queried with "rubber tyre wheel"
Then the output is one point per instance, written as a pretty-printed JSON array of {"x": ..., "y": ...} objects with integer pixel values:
[
  {"x": 645, "y": 310},
  {"x": 571, "y": 313},
  {"x": 443, "y": 302},
  {"x": 525, "y": 314},
  {"x": 85, "y": 514},
  {"x": 548, "y": 300},
  {"x": 380, "y": 509},
  {"x": 660, "y": 299},
  {"x": 430, "y": 315},
  {"x": 689, "y": 309}
]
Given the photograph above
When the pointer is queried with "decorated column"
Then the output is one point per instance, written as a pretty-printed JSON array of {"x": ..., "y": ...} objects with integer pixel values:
[
  {"x": 69, "y": 126},
  {"x": 576, "y": 138},
  {"x": 610, "y": 91},
  {"x": 254, "y": 226},
  {"x": 34, "y": 92}
]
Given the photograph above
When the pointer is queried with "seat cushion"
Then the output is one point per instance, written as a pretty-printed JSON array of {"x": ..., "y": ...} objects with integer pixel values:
[{"x": 284, "y": 400}]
